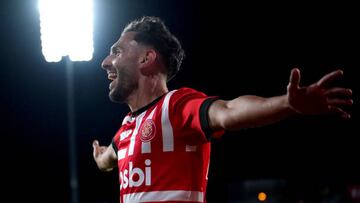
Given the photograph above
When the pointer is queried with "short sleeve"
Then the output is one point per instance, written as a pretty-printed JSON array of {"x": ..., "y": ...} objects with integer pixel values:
[
  {"x": 113, "y": 144},
  {"x": 204, "y": 119},
  {"x": 189, "y": 112}
]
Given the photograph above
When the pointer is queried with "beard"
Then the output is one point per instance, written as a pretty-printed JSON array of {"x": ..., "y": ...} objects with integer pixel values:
[{"x": 122, "y": 87}]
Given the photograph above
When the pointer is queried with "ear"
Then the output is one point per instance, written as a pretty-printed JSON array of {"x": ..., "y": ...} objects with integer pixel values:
[{"x": 147, "y": 62}]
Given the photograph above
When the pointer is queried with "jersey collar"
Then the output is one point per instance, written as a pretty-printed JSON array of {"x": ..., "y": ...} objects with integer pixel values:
[{"x": 146, "y": 107}]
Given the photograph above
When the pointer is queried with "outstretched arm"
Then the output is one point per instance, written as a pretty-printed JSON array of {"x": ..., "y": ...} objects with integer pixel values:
[
  {"x": 105, "y": 157},
  {"x": 253, "y": 111}
]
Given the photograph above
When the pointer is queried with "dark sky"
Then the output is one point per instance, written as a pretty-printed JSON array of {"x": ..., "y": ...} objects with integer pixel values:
[{"x": 232, "y": 49}]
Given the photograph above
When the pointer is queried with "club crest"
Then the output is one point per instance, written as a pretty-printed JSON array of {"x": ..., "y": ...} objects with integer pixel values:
[{"x": 147, "y": 130}]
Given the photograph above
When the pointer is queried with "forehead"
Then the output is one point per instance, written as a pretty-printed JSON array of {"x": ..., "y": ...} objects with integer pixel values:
[{"x": 126, "y": 39}]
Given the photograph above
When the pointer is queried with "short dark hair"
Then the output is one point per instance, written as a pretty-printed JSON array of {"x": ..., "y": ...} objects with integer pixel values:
[{"x": 152, "y": 31}]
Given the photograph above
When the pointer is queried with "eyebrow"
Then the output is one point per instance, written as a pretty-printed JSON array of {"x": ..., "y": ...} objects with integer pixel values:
[{"x": 114, "y": 48}]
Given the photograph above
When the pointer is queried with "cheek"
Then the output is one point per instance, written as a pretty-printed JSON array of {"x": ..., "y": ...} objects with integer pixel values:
[
  {"x": 121, "y": 63},
  {"x": 117, "y": 63}
]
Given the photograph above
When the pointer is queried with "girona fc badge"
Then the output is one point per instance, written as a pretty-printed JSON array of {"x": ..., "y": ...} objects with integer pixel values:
[{"x": 147, "y": 130}]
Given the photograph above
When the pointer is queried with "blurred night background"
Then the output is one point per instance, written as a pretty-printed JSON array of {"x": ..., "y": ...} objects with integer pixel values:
[{"x": 232, "y": 48}]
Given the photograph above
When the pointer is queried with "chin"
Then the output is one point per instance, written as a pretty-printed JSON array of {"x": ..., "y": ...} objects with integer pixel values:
[
  {"x": 116, "y": 96},
  {"x": 115, "y": 99}
]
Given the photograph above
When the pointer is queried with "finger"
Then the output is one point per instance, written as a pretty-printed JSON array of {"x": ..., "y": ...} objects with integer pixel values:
[
  {"x": 330, "y": 77},
  {"x": 294, "y": 79},
  {"x": 338, "y": 91},
  {"x": 338, "y": 110},
  {"x": 338, "y": 102},
  {"x": 96, "y": 149},
  {"x": 95, "y": 143}
]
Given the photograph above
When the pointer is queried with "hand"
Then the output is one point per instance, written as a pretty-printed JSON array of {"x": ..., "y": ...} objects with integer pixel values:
[
  {"x": 318, "y": 98},
  {"x": 98, "y": 150},
  {"x": 105, "y": 157}
]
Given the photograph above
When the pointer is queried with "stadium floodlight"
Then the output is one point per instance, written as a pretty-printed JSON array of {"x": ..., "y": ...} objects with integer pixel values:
[{"x": 66, "y": 28}]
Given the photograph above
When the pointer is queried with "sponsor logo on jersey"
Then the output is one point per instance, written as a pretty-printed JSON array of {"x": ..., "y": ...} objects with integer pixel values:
[{"x": 134, "y": 176}]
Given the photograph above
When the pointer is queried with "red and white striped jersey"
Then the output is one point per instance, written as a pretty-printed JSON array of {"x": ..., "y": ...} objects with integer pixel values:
[{"x": 163, "y": 149}]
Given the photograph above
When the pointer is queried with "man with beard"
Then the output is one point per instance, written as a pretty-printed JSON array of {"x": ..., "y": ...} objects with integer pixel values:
[{"x": 162, "y": 149}]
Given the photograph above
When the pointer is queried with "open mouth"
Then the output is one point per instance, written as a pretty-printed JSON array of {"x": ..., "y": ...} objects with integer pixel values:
[{"x": 112, "y": 76}]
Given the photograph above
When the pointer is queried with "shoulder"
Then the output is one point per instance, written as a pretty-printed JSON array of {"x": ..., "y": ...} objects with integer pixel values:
[{"x": 187, "y": 92}]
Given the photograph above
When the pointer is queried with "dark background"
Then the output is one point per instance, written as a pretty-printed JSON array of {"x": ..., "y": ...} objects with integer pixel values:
[{"x": 232, "y": 49}]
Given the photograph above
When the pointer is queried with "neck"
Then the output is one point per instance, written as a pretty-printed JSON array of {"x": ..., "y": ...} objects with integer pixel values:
[{"x": 150, "y": 88}]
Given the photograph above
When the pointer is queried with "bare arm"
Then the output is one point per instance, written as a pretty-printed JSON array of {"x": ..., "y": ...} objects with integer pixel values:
[
  {"x": 105, "y": 157},
  {"x": 253, "y": 111},
  {"x": 248, "y": 111}
]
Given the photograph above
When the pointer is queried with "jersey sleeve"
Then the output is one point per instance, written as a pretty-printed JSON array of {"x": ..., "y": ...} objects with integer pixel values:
[
  {"x": 190, "y": 115},
  {"x": 114, "y": 146}
]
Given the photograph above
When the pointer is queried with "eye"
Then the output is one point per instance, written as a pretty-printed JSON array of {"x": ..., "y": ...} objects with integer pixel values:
[{"x": 115, "y": 51}]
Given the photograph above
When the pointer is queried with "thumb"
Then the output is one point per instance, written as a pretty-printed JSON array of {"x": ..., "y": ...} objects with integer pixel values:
[{"x": 294, "y": 79}]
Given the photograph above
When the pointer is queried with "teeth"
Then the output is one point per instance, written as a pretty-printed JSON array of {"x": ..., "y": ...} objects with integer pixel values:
[{"x": 112, "y": 76}]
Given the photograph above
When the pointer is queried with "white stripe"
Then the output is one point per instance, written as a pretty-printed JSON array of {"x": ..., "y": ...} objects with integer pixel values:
[
  {"x": 167, "y": 130},
  {"x": 151, "y": 114},
  {"x": 125, "y": 119},
  {"x": 146, "y": 146},
  {"x": 207, "y": 171},
  {"x": 133, "y": 136},
  {"x": 128, "y": 119},
  {"x": 190, "y": 148},
  {"x": 125, "y": 134},
  {"x": 121, "y": 153},
  {"x": 160, "y": 196}
]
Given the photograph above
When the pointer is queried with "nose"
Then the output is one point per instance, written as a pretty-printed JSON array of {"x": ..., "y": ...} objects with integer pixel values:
[{"x": 107, "y": 62}]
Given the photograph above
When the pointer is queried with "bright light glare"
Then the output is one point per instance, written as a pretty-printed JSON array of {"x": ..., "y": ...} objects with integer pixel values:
[
  {"x": 262, "y": 196},
  {"x": 66, "y": 28}
]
